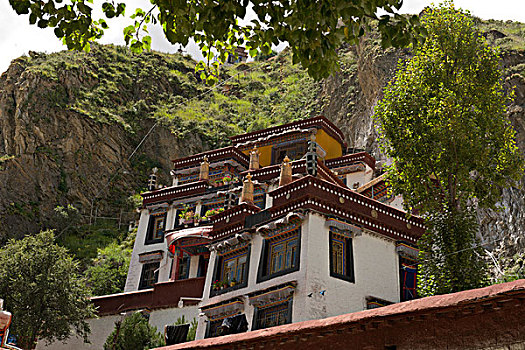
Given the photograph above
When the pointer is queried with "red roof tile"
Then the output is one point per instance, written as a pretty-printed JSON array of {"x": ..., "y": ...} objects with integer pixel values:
[{"x": 429, "y": 305}]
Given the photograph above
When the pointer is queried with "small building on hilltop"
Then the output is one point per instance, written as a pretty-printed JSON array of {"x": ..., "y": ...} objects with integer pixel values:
[{"x": 282, "y": 226}]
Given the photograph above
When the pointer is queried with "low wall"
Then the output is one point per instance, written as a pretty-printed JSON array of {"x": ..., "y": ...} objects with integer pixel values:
[
  {"x": 163, "y": 295},
  {"x": 162, "y": 301},
  {"x": 102, "y": 327}
]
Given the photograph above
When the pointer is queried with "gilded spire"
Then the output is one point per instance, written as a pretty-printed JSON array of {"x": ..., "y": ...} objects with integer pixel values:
[
  {"x": 205, "y": 169},
  {"x": 247, "y": 190},
  {"x": 286, "y": 172},
  {"x": 254, "y": 158}
]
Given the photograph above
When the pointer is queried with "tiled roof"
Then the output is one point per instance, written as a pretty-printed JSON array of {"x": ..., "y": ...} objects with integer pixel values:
[
  {"x": 319, "y": 121},
  {"x": 462, "y": 303}
]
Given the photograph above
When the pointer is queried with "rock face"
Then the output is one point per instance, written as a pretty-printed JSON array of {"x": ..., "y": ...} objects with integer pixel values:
[
  {"x": 55, "y": 148},
  {"x": 59, "y": 156}
]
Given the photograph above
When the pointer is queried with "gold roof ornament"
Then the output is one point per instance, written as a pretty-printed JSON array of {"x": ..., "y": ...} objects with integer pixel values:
[
  {"x": 247, "y": 190},
  {"x": 254, "y": 159},
  {"x": 204, "y": 172},
  {"x": 286, "y": 172}
]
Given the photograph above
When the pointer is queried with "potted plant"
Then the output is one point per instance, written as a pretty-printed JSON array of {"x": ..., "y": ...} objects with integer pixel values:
[
  {"x": 226, "y": 179},
  {"x": 218, "y": 182},
  {"x": 225, "y": 284},
  {"x": 233, "y": 282},
  {"x": 196, "y": 219},
  {"x": 186, "y": 217},
  {"x": 182, "y": 214},
  {"x": 211, "y": 212},
  {"x": 216, "y": 285}
]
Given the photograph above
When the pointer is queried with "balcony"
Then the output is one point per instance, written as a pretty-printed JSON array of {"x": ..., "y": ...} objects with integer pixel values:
[{"x": 162, "y": 295}]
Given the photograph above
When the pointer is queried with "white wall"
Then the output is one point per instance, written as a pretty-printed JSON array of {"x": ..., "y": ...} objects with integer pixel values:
[
  {"x": 102, "y": 327},
  {"x": 135, "y": 267},
  {"x": 375, "y": 267},
  {"x": 362, "y": 177}
]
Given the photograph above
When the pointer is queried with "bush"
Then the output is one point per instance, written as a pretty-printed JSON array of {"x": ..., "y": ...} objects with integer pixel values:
[{"x": 134, "y": 333}]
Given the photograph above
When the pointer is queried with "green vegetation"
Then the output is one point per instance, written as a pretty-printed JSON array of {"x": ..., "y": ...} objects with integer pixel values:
[
  {"x": 315, "y": 30},
  {"x": 442, "y": 121},
  {"x": 116, "y": 86},
  {"x": 134, "y": 333},
  {"x": 193, "y": 327},
  {"x": 43, "y": 289},
  {"x": 515, "y": 268},
  {"x": 108, "y": 271},
  {"x": 506, "y": 35}
]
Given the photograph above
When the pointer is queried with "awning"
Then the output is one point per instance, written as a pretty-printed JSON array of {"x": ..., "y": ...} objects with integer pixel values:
[
  {"x": 192, "y": 236},
  {"x": 218, "y": 311},
  {"x": 272, "y": 296},
  {"x": 343, "y": 228},
  {"x": 150, "y": 257}
]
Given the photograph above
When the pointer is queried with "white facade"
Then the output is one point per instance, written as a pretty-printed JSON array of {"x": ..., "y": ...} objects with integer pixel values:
[
  {"x": 139, "y": 247},
  {"x": 359, "y": 178},
  {"x": 317, "y": 294}
]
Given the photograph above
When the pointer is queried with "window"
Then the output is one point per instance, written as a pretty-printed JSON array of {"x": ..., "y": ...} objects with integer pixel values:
[
  {"x": 283, "y": 255},
  {"x": 280, "y": 253},
  {"x": 374, "y": 303},
  {"x": 182, "y": 266},
  {"x": 341, "y": 255},
  {"x": 156, "y": 227},
  {"x": 149, "y": 276},
  {"x": 231, "y": 271},
  {"x": 274, "y": 315},
  {"x": 234, "y": 268},
  {"x": 293, "y": 149},
  {"x": 408, "y": 278},
  {"x": 214, "y": 328},
  {"x": 203, "y": 265}
]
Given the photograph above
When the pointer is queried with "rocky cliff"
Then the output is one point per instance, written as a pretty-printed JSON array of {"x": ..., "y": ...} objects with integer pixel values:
[{"x": 69, "y": 122}]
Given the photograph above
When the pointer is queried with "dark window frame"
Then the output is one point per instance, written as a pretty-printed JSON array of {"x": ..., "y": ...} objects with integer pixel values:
[
  {"x": 402, "y": 281},
  {"x": 300, "y": 144},
  {"x": 142, "y": 284},
  {"x": 258, "y": 310},
  {"x": 180, "y": 262},
  {"x": 217, "y": 272},
  {"x": 349, "y": 266},
  {"x": 151, "y": 228},
  {"x": 263, "y": 270},
  {"x": 209, "y": 325}
]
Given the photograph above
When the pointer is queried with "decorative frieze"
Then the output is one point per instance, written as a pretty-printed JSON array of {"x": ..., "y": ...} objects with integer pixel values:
[
  {"x": 224, "y": 309},
  {"x": 288, "y": 222},
  {"x": 150, "y": 257},
  {"x": 343, "y": 228},
  {"x": 239, "y": 241},
  {"x": 407, "y": 251},
  {"x": 274, "y": 295}
]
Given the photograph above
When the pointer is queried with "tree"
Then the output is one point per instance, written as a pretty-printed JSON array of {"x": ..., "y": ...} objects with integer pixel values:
[
  {"x": 443, "y": 123},
  {"x": 108, "y": 271},
  {"x": 42, "y": 288},
  {"x": 134, "y": 333},
  {"x": 313, "y": 29}
]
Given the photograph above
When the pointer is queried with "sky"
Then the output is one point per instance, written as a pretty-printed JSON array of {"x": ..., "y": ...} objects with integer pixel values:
[{"x": 17, "y": 37}]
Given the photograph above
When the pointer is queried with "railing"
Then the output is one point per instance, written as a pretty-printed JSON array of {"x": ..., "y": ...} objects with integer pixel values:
[{"x": 258, "y": 218}]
